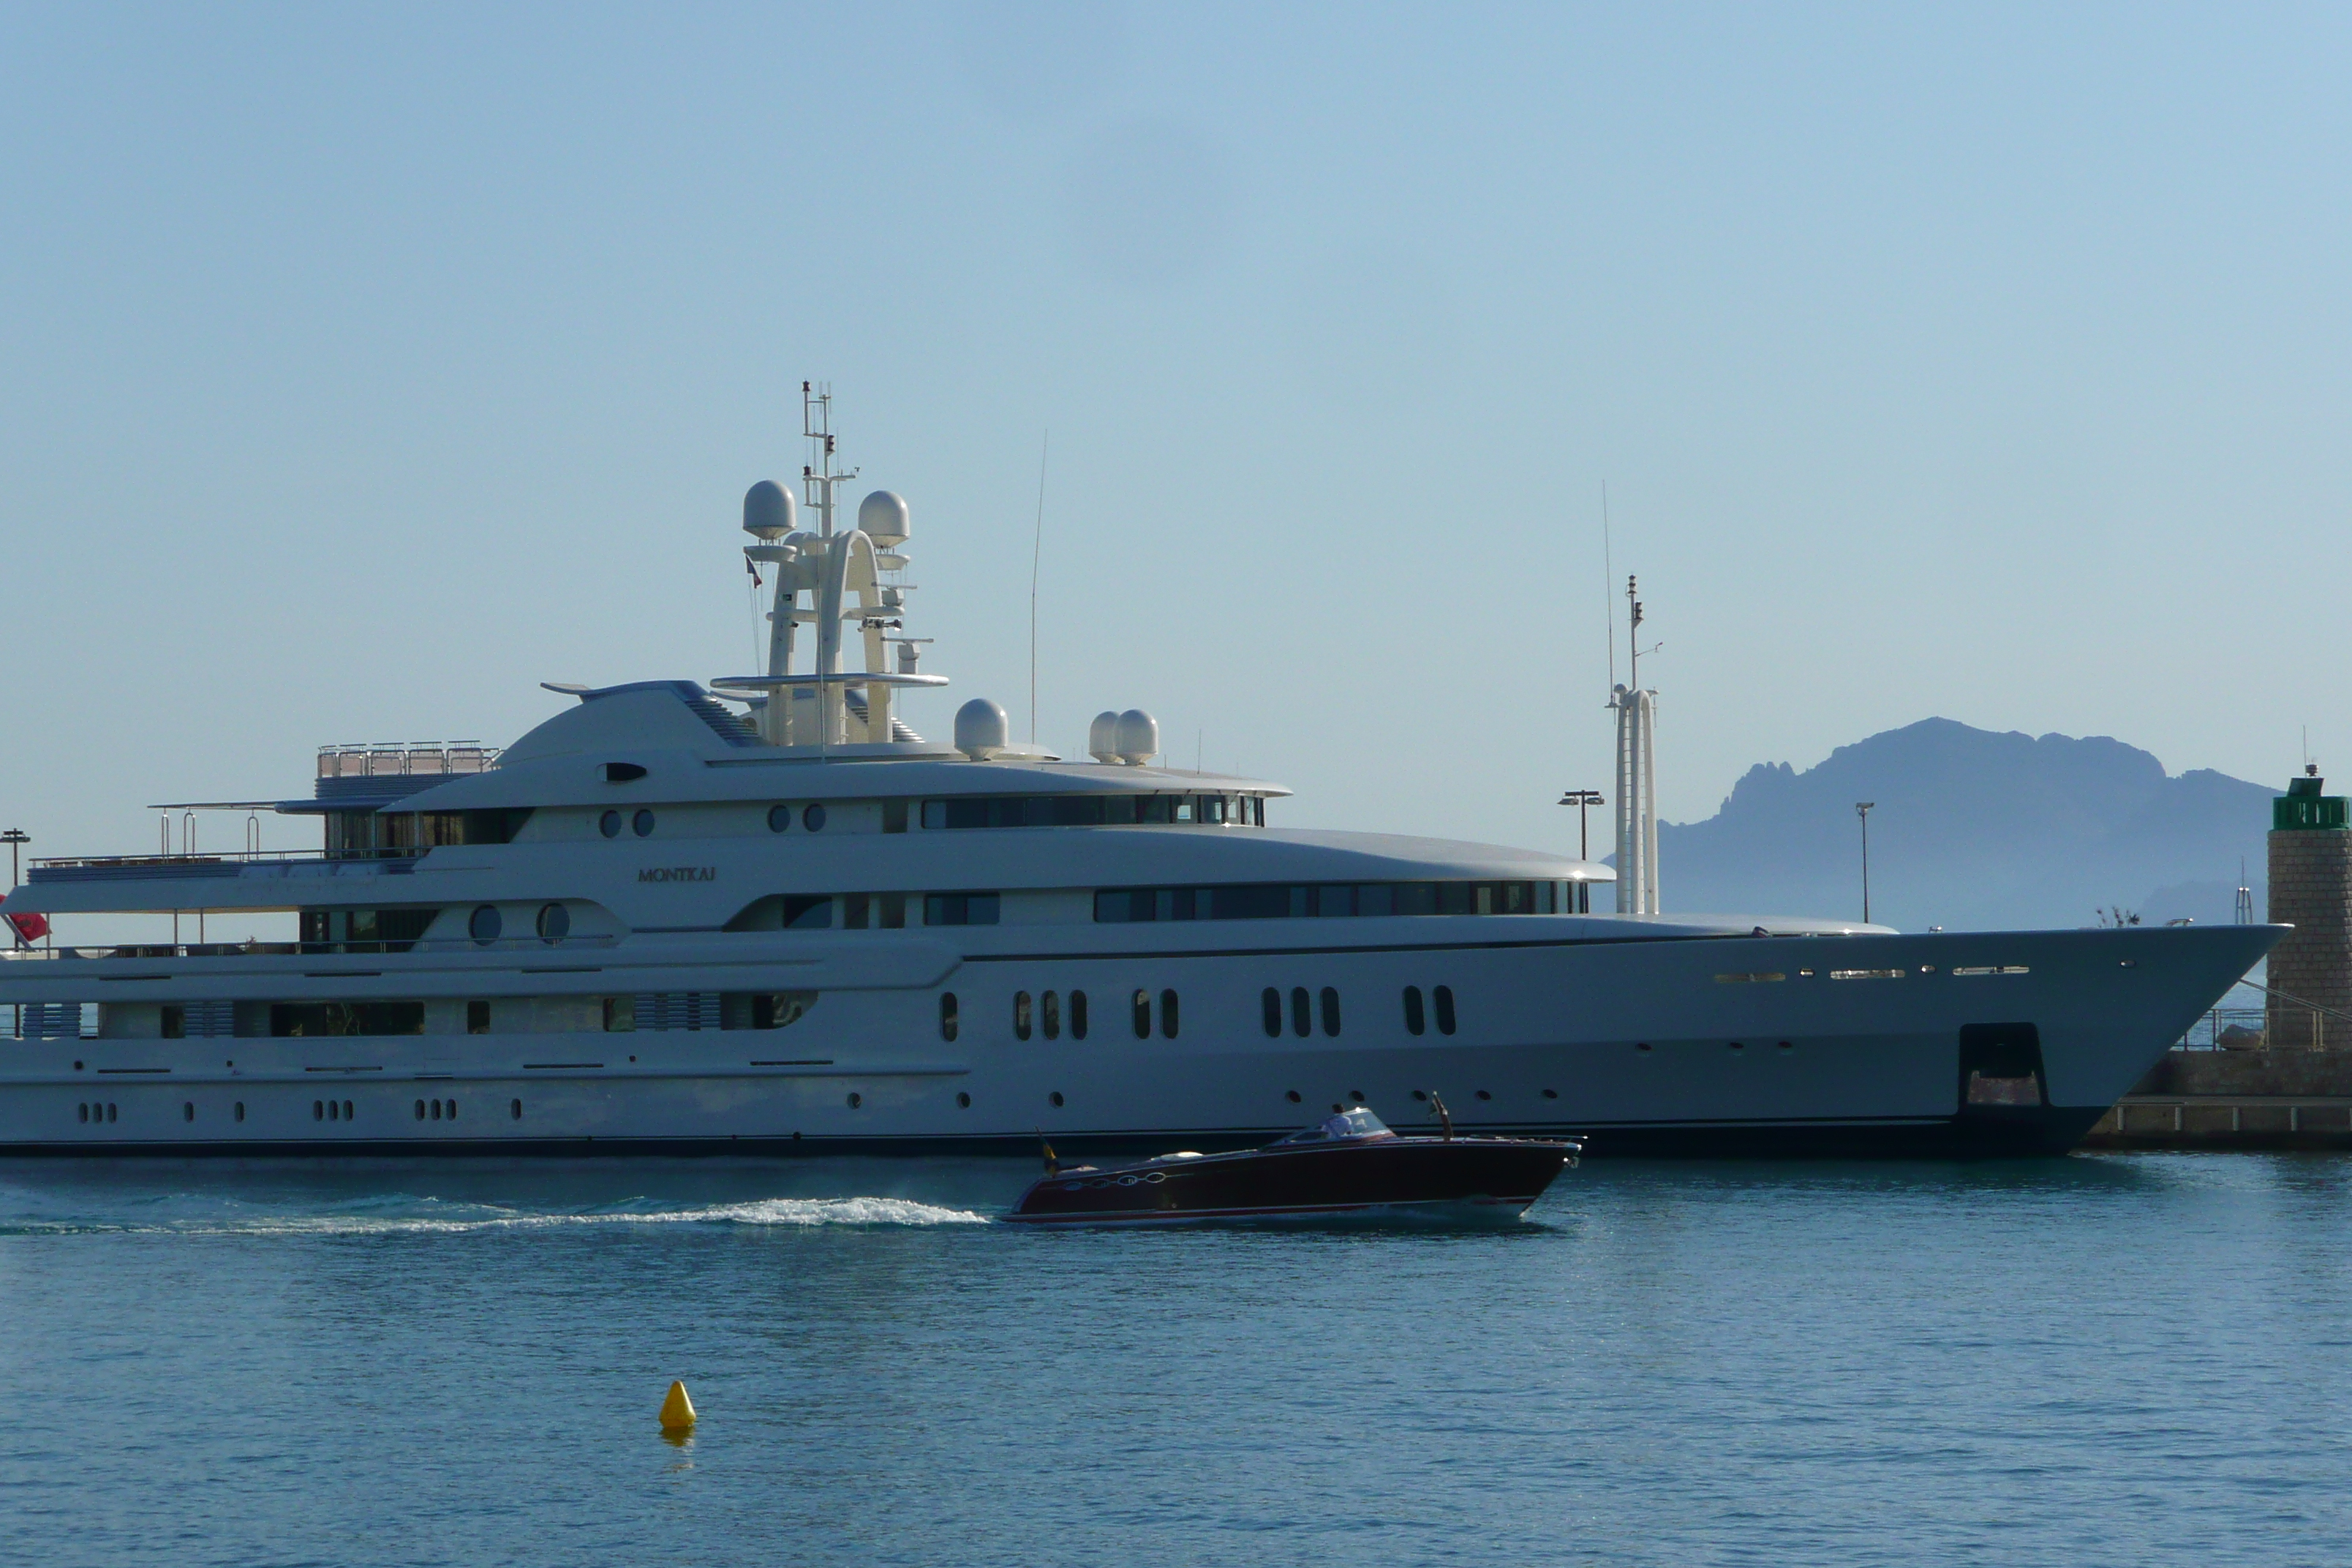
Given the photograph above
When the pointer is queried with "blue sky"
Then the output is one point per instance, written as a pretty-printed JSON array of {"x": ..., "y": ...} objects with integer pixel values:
[{"x": 360, "y": 369}]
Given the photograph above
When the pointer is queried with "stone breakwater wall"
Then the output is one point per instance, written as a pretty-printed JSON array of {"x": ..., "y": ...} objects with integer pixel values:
[
  {"x": 2235, "y": 1099},
  {"x": 2263, "y": 1073}
]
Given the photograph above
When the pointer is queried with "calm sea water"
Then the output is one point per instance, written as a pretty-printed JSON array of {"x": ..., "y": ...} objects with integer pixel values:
[{"x": 2096, "y": 1360}]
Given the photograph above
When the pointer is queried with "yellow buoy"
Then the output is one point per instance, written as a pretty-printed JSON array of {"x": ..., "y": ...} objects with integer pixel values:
[{"x": 677, "y": 1410}]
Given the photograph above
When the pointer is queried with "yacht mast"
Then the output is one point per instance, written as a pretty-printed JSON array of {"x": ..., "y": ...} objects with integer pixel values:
[{"x": 1637, "y": 796}]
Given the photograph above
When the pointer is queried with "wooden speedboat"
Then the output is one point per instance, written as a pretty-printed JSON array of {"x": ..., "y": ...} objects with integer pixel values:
[{"x": 1351, "y": 1164}]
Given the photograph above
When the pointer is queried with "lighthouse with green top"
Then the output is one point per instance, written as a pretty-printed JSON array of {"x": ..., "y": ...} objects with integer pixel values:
[{"x": 2311, "y": 890}]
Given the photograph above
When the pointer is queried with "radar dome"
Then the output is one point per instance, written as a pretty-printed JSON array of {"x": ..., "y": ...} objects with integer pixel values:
[
  {"x": 1102, "y": 737},
  {"x": 1138, "y": 737},
  {"x": 767, "y": 510},
  {"x": 882, "y": 518},
  {"x": 980, "y": 729}
]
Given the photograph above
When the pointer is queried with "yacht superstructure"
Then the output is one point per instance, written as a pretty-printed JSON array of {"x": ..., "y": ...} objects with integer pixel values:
[{"x": 765, "y": 915}]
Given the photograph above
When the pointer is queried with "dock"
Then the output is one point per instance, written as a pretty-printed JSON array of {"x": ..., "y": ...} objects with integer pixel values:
[
  {"x": 2273, "y": 1098},
  {"x": 2224, "y": 1121}
]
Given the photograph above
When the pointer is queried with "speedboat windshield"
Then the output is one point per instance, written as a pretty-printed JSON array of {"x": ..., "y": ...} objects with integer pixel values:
[{"x": 1356, "y": 1122}]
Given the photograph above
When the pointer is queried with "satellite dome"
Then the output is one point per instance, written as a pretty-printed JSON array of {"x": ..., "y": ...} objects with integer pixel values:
[
  {"x": 1102, "y": 737},
  {"x": 980, "y": 729},
  {"x": 768, "y": 510},
  {"x": 882, "y": 518},
  {"x": 1138, "y": 737}
]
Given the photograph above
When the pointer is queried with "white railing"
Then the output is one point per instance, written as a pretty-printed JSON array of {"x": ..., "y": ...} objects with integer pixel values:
[{"x": 405, "y": 759}]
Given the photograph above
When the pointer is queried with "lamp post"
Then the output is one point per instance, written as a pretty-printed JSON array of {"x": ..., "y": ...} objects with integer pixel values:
[
  {"x": 1862, "y": 809},
  {"x": 1583, "y": 800}
]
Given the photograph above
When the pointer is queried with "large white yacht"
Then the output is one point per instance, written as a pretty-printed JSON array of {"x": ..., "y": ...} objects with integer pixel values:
[{"x": 767, "y": 917}]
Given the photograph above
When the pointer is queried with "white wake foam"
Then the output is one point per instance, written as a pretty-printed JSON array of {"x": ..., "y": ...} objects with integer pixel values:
[{"x": 400, "y": 1213}]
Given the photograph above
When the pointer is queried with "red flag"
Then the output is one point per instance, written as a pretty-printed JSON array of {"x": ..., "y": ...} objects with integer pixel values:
[{"x": 31, "y": 927}]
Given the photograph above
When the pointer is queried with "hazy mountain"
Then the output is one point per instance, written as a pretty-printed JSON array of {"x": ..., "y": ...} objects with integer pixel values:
[{"x": 1972, "y": 830}]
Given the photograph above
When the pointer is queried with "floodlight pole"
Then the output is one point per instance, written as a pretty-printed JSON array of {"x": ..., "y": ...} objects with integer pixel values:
[
  {"x": 1583, "y": 800},
  {"x": 1862, "y": 809}
]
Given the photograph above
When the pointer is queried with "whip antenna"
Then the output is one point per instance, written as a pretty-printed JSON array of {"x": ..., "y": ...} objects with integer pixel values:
[{"x": 1036, "y": 555}]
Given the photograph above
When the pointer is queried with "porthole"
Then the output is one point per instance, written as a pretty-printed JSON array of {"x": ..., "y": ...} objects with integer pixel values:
[
  {"x": 963, "y": 1102},
  {"x": 554, "y": 923},
  {"x": 1302, "y": 1021},
  {"x": 1642, "y": 1046},
  {"x": 240, "y": 1110},
  {"x": 484, "y": 924},
  {"x": 334, "y": 1110},
  {"x": 1415, "y": 1021},
  {"x": 1788, "y": 1045},
  {"x": 1020, "y": 1015},
  {"x": 514, "y": 1109},
  {"x": 1291, "y": 1096},
  {"x": 1738, "y": 1047},
  {"x": 1420, "y": 1094},
  {"x": 188, "y": 1110},
  {"x": 1269, "y": 1004},
  {"x": 1330, "y": 1009},
  {"x": 855, "y": 1100},
  {"x": 1049, "y": 1016},
  {"x": 1483, "y": 1095},
  {"x": 1141, "y": 1007},
  {"x": 112, "y": 1111},
  {"x": 1551, "y": 1094},
  {"x": 1168, "y": 1013},
  {"x": 1054, "y": 1100},
  {"x": 420, "y": 1111},
  {"x": 814, "y": 819},
  {"x": 609, "y": 825},
  {"x": 1356, "y": 1094},
  {"x": 450, "y": 1110},
  {"x": 317, "y": 1111},
  {"x": 642, "y": 824},
  {"x": 780, "y": 818},
  {"x": 947, "y": 1016},
  {"x": 82, "y": 1111},
  {"x": 1443, "y": 997},
  {"x": 1077, "y": 1014}
]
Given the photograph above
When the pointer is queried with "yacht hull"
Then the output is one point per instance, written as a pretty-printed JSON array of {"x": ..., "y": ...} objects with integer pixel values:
[{"x": 1938, "y": 1045}]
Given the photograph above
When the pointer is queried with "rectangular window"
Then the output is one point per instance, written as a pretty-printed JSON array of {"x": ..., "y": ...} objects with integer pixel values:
[
  {"x": 960, "y": 910},
  {"x": 1376, "y": 899},
  {"x": 176, "y": 1022},
  {"x": 763, "y": 1009},
  {"x": 478, "y": 1017},
  {"x": 853, "y": 911},
  {"x": 808, "y": 912},
  {"x": 1247, "y": 903},
  {"x": 894, "y": 816},
  {"x": 620, "y": 1015},
  {"x": 306, "y": 1020},
  {"x": 1182, "y": 807},
  {"x": 891, "y": 910}
]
